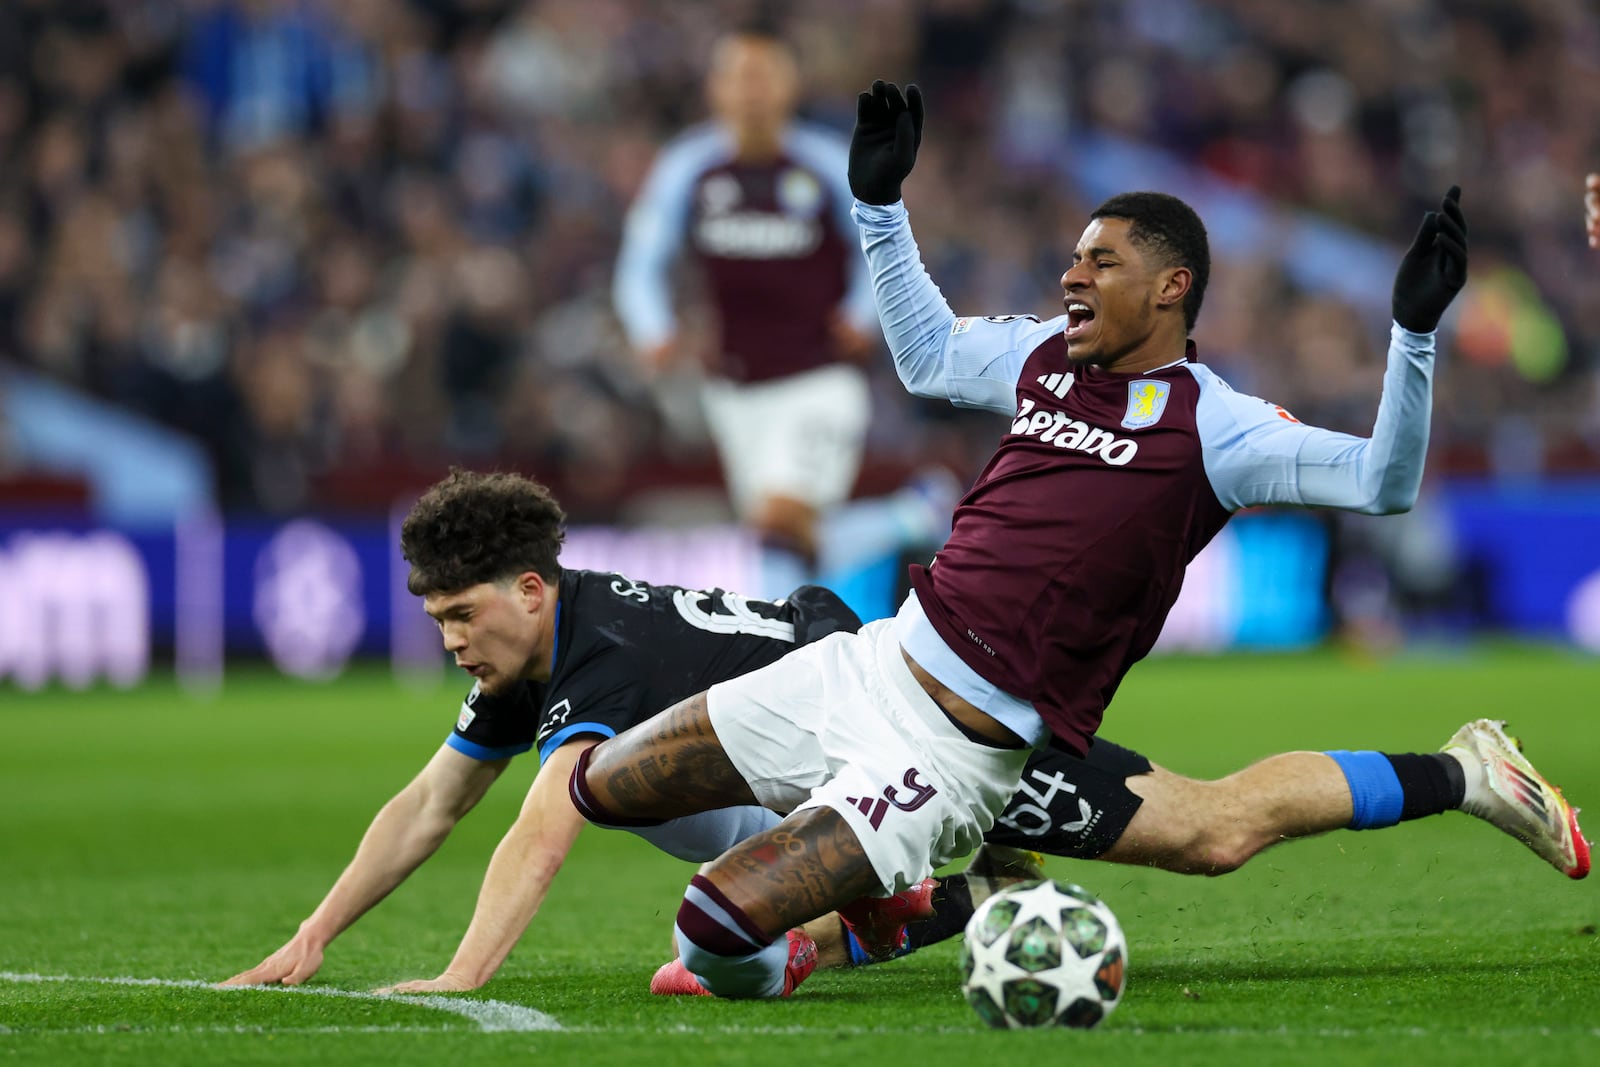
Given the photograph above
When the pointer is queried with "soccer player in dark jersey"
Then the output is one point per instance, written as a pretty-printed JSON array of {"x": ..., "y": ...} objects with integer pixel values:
[
  {"x": 563, "y": 658},
  {"x": 756, "y": 202},
  {"x": 895, "y": 748}
]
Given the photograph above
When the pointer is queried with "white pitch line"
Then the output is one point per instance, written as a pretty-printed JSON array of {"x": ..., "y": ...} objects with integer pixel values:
[
  {"x": 497, "y": 1015},
  {"x": 491, "y": 1016},
  {"x": 297, "y": 1030}
]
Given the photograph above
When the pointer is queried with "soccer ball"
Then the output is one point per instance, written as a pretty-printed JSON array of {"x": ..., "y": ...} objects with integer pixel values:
[{"x": 1043, "y": 953}]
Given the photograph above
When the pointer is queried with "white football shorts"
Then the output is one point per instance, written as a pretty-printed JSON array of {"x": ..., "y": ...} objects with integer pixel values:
[
  {"x": 800, "y": 436},
  {"x": 841, "y": 723}
]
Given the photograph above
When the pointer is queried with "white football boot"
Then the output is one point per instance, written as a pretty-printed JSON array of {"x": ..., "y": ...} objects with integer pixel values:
[{"x": 1513, "y": 796}]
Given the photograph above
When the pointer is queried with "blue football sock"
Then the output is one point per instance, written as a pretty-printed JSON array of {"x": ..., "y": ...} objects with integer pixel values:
[{"x": 1376, "y": 797}]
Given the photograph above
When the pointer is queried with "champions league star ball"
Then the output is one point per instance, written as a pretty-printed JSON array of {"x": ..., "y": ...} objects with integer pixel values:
[{"x": 1043, "y": 954}]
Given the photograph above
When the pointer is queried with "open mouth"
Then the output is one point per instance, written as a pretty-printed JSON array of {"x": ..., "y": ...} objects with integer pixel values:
[{"x": 1079, "y": 316}]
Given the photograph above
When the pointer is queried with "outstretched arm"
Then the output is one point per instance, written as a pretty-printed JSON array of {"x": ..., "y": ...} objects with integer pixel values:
[
  {"x": 519, "y": 876},
  {"x": 1256, "y": 453},
  {"x": 971, "y": 362},
  {"x": 652, "y": 238},
  {"x": 407, "y": 830}
]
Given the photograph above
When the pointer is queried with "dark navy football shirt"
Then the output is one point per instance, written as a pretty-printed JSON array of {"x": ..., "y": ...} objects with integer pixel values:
[{"x": 626, "y": 649}]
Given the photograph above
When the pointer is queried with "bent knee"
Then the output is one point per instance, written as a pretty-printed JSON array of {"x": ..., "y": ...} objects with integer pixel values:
[
  {"x": 785, "y": 519},
  {"x": 1225, "y": 848},
  {"x": 1216, "y": 854},
  {"x": 589, "y": 791}
]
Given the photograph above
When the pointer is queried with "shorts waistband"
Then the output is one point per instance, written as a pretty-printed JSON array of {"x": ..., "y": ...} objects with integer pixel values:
[
  {"x": 892, "y": 664},
  {"x": 974, "y": 736},
  {"x": 922, "y": 642}
]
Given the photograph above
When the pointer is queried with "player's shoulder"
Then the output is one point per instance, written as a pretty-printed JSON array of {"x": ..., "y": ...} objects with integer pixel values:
[
  {"x": 813, "y": 138},
  {"x": 1018, "y": 333},
  {"x": 610, "y": 610},
  {"x": 696, "y": 149},
  {"x": 1224, "y": 411},
  {"x": 598, "y": 596},
  {"x": 1207, "y": 378},
  {"x": 605, "y": 618},
  {"x": 818, "y": 611}
]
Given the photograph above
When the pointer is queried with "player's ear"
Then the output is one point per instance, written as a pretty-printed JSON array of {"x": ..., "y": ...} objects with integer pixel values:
[
  {"x": 532, "y": 586},
  {"x": 1172, "y": 285}
]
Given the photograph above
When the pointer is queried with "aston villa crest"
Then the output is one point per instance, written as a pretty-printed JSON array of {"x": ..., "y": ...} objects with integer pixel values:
[{"x": 1147, "y": 399}]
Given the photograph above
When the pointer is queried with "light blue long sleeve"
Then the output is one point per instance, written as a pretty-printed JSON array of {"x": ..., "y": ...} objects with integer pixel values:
[
  {"x": 1255, "y": 453},
  {"x": 972, "y": 362}
]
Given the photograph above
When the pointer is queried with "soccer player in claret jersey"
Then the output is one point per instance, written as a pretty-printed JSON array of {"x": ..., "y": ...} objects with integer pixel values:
[
  {"x": 1124, "y": 458},
  {"x": 563, "y": 658},
  {"x": 755, "y": 202}
]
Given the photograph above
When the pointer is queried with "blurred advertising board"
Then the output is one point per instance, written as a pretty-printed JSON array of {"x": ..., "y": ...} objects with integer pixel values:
[
  {"x": 1536, "y": 552},
  {"x": 85, "y": 603}
]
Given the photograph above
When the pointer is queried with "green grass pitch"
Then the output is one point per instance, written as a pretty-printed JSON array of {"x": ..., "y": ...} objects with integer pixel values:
[{"x": 147, "y": 835}]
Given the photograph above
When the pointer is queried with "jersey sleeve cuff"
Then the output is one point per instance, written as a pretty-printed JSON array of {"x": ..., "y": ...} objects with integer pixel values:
[
  {"x": 885, "y": 215},
  {"x": 567, "y": 733},
  {"x": 1410, "y": 338},
  {"x": 476, "y": 751}
]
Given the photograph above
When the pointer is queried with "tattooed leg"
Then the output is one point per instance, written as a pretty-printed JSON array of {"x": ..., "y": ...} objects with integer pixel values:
[
  {"x": 664, "y": 768},
  {"x": 810, "y": 864},
  {"x": 731, "y": 927}
]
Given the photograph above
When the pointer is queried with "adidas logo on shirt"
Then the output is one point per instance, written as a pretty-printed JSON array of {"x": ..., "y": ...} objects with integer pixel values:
[{"x": 1056, "y": 383}]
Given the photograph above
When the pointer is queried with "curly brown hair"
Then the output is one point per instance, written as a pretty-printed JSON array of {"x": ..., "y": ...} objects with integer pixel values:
[{"x": 473, "y": 527}]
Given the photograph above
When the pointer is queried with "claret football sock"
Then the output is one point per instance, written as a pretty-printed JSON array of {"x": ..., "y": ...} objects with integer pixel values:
[{"x": 724, "y": 949}]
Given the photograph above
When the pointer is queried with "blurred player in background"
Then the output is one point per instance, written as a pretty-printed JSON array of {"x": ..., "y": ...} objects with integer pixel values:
[
  {"x": 564, "y": 658},
  {"x": 1591, "y": 209},
  {"x": 759, "y": 203},
  {"x": 1124, "y": 458}
]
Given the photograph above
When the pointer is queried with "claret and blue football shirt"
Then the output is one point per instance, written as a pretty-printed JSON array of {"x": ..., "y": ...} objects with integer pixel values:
[{"x": 1068, "y": 552}]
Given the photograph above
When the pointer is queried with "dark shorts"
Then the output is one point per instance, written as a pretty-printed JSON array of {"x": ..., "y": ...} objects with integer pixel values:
[{"x": 1066, "y": 806}]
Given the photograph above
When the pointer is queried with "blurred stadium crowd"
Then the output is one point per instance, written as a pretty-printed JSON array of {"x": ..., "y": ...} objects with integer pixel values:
[{"x": 342, "y": 241}]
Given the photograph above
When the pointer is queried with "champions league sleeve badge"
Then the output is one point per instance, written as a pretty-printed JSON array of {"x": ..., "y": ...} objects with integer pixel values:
[{"x": 1147, "y": 399}]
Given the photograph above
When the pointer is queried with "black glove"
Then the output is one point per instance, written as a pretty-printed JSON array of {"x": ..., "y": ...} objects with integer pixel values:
[
  {"x": 883, "y": 148},
  {"x": 1434, "y": 268}
]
